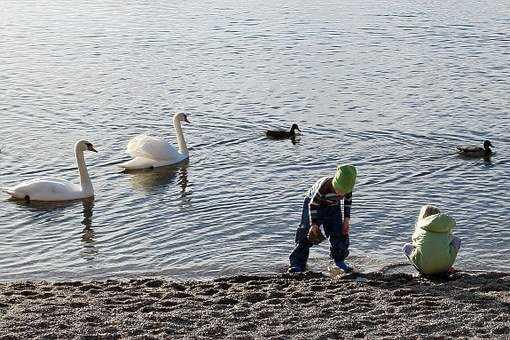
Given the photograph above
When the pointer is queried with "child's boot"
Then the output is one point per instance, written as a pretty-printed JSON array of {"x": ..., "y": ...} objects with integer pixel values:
[
  {"x": 295, "y": 269},
  {"x": 343, "y": 266}
]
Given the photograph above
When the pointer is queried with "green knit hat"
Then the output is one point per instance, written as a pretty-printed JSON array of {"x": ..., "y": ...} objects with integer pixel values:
[{"x": 345, "y": 178}]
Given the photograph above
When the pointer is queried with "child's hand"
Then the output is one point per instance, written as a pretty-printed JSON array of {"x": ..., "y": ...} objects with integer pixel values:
[
  {"x": 314, "y": 234},
  {"x": 345, "y": 226}
]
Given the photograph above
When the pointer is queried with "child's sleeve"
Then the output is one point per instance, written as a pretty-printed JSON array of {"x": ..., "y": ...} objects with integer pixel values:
[
  {"x": 315, "y": 202},
  {"x": 313, "y": 206},
  {"x": 347, "y": 205}
]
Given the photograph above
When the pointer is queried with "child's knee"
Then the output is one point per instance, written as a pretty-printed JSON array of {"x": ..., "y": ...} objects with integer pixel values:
[
  {"x": 301, "y": 235},
  {"x": 335, "y": 232},
  {"x": 456, "y": 243},
  {"x": 407, "y": 249}
]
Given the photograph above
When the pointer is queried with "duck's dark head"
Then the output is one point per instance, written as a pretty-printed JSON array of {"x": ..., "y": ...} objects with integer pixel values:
[
  {"x": 487, "y": 144},
  {"x": 293, "y": 128}
]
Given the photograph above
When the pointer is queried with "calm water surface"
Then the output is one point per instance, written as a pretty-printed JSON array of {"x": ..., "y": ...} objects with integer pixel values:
[{"x": 392, "y": 87}]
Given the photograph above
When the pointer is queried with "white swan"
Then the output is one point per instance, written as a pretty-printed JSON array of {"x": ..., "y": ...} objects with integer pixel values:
[
  {"x": 152, "y": 152},
  {"x": 50, "y": 189}
]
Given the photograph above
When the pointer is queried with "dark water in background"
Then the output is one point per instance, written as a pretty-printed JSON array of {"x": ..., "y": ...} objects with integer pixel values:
[{"x": 391, "y": 87}]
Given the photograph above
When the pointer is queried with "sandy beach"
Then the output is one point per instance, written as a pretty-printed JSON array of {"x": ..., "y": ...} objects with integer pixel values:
[{"x": 303, "y": 306}]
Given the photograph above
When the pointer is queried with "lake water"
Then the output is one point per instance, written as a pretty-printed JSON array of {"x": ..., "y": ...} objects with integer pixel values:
[{"x": 389, "y": 86}]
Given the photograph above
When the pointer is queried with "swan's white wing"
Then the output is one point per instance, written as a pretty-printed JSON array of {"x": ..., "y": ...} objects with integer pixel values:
[
  {"x": 46, "y": 190},
  {"x": 139, "y": 163},
  {"x": 152, "y": 148}
]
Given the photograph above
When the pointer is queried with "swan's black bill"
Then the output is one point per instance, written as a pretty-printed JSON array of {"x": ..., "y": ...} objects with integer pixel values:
[{"x": 90, "y": 147}]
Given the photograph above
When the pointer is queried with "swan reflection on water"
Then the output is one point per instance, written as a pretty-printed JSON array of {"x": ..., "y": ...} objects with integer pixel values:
[
  {"x": 41, "y": 209},
  {"x": 45, "y": 207},
  {"x": 160, "y": 178},
  {"x": 89, "y": 251}
]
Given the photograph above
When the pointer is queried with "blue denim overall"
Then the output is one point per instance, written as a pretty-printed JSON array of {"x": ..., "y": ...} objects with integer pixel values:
[{"x": 331, "y": 218}]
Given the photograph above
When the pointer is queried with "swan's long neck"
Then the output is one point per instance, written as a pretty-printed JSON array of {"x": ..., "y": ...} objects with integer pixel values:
[
  {"x": 180, "y": 137},
  {"x": 86, "y": 184}
]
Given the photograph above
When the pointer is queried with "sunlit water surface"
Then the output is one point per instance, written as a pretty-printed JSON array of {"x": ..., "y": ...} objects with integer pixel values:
[{"x": 389, "y": 86}]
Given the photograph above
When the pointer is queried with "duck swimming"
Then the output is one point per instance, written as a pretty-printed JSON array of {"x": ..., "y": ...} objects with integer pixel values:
[
  {"x": 476, "y": 151},
  {"x": 283, "y": 134}
]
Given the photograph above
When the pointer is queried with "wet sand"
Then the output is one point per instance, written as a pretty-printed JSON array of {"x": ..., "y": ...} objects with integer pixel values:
[{"x": 303, "y": 306}]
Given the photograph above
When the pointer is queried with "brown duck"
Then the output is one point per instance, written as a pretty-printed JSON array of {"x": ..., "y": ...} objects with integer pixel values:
[{"x": 476, "y": 151}]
